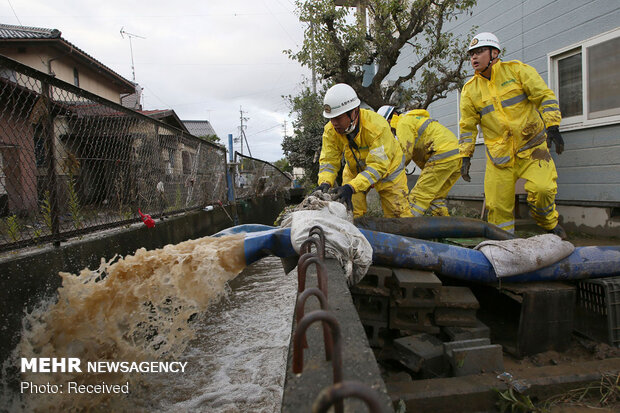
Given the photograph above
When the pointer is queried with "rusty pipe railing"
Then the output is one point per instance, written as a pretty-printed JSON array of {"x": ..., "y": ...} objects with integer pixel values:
[
  {"x": 321, "y": 272},
  {"x": 298, "y": 351},
  {"x": 317, "y": 230},
  {"x": 305, "y": 247},
  {"x": 334, "y": 394},
  {"x": 299, "y": 313}
]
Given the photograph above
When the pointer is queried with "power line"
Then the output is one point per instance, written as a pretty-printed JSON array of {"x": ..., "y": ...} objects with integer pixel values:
[
  {"x": 265, "y": 130},
  {"x": 15, "y": 14}
]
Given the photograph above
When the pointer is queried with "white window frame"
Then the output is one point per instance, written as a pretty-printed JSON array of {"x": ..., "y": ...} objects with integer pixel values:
[{"x": 580, "y": 121}]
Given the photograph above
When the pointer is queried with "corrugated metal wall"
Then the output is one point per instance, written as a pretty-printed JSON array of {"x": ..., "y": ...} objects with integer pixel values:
[{"x": 589, "y": 169}]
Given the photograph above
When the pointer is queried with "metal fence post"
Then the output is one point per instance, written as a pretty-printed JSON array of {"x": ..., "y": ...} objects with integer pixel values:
[{"x": 50, "y": 155}]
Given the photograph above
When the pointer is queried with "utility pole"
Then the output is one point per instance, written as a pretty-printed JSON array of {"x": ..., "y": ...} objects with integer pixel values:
[
  {"x": 242, "y": 128},
  {"x": 360, "y": 14},
  {"x": 285, "y": 128},
  {"x": 130, "y": 35}
]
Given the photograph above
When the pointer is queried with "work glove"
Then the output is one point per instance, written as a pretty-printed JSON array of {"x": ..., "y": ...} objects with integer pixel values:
[
  {"x": 465, "y": 169},
  {"x": 344, "y": 194},
  {"x": 324, "y": 187},
  {"x": 553, "y": 135}
]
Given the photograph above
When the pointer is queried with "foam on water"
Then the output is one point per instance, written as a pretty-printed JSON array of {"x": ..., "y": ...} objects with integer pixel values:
[
  {"x": 238, "y": 357},
  {"x": 143, "y": 307}
]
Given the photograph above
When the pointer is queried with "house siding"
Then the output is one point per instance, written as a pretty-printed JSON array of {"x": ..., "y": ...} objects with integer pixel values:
[
  {"x": 589, "y": 168},
  {"x": 62, "y": 66}
]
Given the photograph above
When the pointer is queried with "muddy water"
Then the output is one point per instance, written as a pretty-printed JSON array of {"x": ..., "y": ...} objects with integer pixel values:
[{"x": 167, "y": 305}]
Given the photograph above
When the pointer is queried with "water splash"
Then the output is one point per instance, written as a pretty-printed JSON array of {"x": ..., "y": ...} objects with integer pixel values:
[{"x": 139, "y": 308}]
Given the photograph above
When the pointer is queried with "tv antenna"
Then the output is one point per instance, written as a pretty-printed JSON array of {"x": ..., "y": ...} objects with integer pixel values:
[{"x": 130, "y": 35}]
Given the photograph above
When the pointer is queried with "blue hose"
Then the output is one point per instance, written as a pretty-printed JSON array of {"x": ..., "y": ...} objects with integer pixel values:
[
  {"x": 448, "y": 260},
  {"x": 262, "y": 240},
  {"x": 471, "y": 265}
]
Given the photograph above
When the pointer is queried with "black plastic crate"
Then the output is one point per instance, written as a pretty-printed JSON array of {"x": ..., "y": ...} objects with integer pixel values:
[{"x": 598, "y": 309}]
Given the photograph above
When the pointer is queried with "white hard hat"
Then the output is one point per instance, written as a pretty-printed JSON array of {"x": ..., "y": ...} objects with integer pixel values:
[
  {"x": 484, "y": 39},
  {"x": 386, "y": 111},
  {"x": 339, "y": 99}
]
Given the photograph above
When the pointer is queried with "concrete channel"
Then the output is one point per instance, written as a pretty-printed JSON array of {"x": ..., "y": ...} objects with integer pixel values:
[
  {"x": 29, "y": 276},
  {"x": 389, "y": 305}
]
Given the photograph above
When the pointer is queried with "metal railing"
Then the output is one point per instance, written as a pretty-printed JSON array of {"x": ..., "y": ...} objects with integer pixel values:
[
  {"x": 332, "y": 332},
  {"x": 72, "y": 162},
  {"x": 255, "y": 178}
]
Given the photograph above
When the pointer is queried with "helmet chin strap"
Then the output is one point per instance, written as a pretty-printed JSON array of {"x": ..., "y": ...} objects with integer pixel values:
[
  {"x": 490, "y": 61},
  {"x": 352, "y": 125}
]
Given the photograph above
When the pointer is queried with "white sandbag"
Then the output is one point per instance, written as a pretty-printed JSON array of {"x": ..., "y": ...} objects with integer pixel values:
[
  {"x": 343, "y": 240},
  {"x": 522, "y": 255}
]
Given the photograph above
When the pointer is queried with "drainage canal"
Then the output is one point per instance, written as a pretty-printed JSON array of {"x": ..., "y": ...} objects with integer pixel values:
[{"x": 136, "y": 310}]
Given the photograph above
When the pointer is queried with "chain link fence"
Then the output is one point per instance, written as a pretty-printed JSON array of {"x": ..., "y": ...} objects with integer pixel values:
[
  {"x": 72, "y": 162},
  {"x": 256, "y": 178}
]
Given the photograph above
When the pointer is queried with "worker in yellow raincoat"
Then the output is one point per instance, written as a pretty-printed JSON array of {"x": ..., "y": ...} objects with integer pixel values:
[
  {"x": 435, "y": 150},
  {"x": 519, "y": 117},
  {"x": 372, "y": 155}
]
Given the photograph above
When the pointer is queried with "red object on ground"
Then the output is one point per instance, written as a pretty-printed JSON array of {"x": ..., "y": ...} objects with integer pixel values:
[{"x": 148, "y": 221}]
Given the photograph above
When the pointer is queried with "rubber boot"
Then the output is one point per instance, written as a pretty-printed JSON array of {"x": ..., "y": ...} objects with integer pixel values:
[{"x": 559, "y": 231}]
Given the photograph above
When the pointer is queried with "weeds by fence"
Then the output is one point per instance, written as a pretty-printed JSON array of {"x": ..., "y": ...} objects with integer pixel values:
[{"x": 72, "y": 162}]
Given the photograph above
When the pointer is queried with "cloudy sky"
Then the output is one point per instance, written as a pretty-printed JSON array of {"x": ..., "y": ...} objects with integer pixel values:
[{"x": 204, "y": 59}]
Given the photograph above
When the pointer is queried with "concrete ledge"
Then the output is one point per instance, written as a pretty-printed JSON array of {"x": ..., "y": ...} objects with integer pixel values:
[
  {"x": 476, "y": 393},
  {"x": 358, "y": 360}
]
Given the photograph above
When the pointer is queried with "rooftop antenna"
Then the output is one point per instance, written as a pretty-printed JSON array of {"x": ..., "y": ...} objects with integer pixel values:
[{"x": 130, "y": 35}]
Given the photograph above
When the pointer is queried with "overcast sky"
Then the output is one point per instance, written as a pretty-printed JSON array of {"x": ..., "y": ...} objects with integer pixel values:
[{"x": 203, "y": 59}]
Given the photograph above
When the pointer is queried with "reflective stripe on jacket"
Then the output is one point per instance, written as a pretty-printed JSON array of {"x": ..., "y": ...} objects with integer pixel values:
[
  {"x": 424, "y": 140},
  {"x": 379, "y": 154},
  {"x": 513, "y": 109}
]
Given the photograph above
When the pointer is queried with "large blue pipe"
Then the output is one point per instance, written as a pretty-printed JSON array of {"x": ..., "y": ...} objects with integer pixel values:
[
  {"x": 471, "y": 265},
  {"x": 434, "y": 227},
  {"x": 448, "y": 260}
]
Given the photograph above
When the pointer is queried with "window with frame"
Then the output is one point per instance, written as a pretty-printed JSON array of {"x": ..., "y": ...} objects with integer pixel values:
[
  {"x": 586, "y": 80},
  {"x": 76, "y": 77}
]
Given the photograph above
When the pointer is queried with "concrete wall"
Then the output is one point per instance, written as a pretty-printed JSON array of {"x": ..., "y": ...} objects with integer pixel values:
[{"x": 26, "y": 278}]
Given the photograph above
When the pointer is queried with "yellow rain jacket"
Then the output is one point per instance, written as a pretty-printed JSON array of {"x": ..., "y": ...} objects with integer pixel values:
[
  {"x": 424, "y": 140},
  {"x": 436, "y": 151},
  {"x": 513, "y": 108},
  {"x": 381, "y": 163}
]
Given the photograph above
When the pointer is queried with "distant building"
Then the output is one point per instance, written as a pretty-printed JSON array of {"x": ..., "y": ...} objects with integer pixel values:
[{"x": 199, "y": 127}]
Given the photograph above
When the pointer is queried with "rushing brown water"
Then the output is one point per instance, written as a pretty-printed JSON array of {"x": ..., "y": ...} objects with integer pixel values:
[{"x": 155, "y": 306}]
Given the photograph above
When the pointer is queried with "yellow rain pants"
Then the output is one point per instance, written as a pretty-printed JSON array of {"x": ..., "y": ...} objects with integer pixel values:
[
  {"x": 541, "y": 187},
  {"x": 435, "y": 150},
  {"x": 393, "y": 196},
  {"x": 432, "y": 188}
]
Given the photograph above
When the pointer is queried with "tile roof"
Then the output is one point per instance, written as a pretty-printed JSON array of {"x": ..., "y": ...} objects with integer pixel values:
[
  {"x": 199, "y": 127},
  {"x": 8, "y": 31}
]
